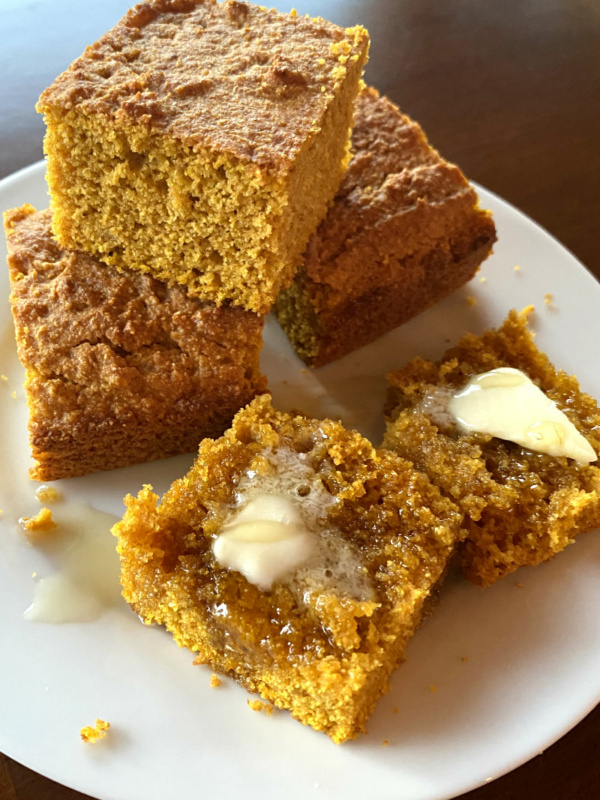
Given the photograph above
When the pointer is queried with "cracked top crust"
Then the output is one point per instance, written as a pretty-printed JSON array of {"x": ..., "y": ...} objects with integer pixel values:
[
  {"x": 229, "y": 76},
  {"x": 394, "y": 175},
  {"x": 79, "y": 320}
]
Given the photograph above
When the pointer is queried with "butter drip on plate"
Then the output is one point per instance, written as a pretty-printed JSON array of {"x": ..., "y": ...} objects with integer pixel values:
[{"x": 506, "y": 403}]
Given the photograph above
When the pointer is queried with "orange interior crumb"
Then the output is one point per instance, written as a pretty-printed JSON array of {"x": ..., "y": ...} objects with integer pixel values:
[{"x": 214, "y": 681}]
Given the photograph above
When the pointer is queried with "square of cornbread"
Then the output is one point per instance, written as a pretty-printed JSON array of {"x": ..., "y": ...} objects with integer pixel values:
[
  {"x": 322, "y": 640},
  {"x": 521, "y": 507},
  {"x": 405, "y": 230},
  {"x": 202, "y": 142},
  {"x": 119, "y": 368}
]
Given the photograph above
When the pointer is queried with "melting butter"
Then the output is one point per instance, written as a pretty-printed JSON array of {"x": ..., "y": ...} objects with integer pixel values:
[
  {"x": 506, "y": 403},
  {"x": 265, "y": 540},
  {"x": 85, "y": 580}
]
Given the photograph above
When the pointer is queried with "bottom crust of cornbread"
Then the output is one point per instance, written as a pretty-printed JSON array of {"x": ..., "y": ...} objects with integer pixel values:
[
  {"x": 119, "y": 368},
  {"x": 310, "y": 644},
  {"x": 320, "y": 338},
  {"x": 404, "y": 231},
  {"x": 521, "y": 507}
]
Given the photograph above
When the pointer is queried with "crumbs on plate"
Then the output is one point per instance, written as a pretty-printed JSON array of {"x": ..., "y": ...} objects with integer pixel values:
[
  {"x": 40, "y": 524},
  {"x": 92, "y": 734},
  {"x": 47, "y": 494},
  {"x": 258, "y": 705}
]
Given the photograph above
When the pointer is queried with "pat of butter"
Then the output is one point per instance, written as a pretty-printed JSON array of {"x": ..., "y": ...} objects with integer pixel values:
[
  {"x": 265, "y": 541},
  {"x": 507, "y": 404}
]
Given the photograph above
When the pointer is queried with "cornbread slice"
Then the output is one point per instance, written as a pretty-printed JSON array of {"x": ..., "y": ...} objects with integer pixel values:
[
  {"x": 119, "y": 368},
  {"x": 405, "y": 230},
  {"x": 202, "y": 143},
  {"x": 521, "y": 507},
  {"x": 323, "y": 640}
]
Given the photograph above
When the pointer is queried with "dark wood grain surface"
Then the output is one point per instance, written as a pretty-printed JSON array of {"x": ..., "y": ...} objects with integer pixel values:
[{"x": 509, "y": 90}]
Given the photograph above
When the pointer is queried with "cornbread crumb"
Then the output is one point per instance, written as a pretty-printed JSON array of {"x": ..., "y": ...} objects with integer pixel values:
[
  {"x": 395, "y": 710},
  {"x": 385, "y": 742},
  {"x": 433, "y": 688},
  {"x": 549, "y": 301},
  {"x": 3, "y": 377},
  {"x": 464, "y": 659},
  {"x": 471, "y": 301},
  {"x": 13, "y": 395},
  {"x": 483, "y": 279},
  {"x": 91, "y": 735},
  {"x": 517, "y": 268},
  {"x": 40, "y": 524},
  {"x": 258, "y": 705},
  {"x": 34, "y": 574},
  {"x": 214, "y": 681},
  {"x": 519, "y": 585},
  {"x": 47, "y": 494}
]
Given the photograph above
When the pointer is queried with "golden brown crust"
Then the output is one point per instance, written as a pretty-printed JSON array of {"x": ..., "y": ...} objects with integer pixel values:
[
  {"x": 405, "y": 230},
  {"x": 120, "y": 368},
  {"x": 326, "y": 660},
  {"x": 521, "y": 507},
  {"x": 231, "y": 77}
]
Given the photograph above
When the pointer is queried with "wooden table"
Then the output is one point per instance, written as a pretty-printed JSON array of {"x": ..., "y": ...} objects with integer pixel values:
[{"x": 510, "y": 91}]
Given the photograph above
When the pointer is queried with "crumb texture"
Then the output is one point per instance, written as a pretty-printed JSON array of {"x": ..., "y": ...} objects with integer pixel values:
[
  {"x": 521, "y": 507},
  {"x": 119, "y": 367},
  {"x": 325, "y": 655}
]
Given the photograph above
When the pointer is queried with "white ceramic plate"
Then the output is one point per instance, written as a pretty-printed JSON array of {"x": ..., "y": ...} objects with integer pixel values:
[{"x": 492, "y": 678}]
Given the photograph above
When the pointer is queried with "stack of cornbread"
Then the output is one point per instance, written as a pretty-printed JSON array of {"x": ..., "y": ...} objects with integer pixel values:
[{"x": 198, "y": 168}]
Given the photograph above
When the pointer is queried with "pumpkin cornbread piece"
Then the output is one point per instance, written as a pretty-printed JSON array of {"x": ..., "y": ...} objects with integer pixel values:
[
  {"x": 119, "y": 368},
  {"x": 321, "y": 639},
  {"x": 405, "y": 230},
  {"x": 521, "y": 507},
  {"x": 202, "y": 143}
]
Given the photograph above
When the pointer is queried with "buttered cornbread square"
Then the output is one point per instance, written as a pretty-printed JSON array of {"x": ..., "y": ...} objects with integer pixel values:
[
  {"x": 293, "y": 557},
  {"x": 119, "y": 368},
  {"x": 202, "y": 142},
  {"x": 524, "y": 498}
]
